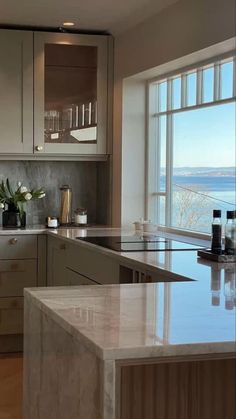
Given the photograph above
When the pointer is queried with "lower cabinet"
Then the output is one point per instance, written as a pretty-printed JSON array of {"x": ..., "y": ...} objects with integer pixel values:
[
  {"x": 74, "y": 264},
  {"x": 74, "y": 278},
  {"x": 11, "y": 316},
  {"x": 22, "y": 265},
  {"x": 56, "y": 262},
  {"x": 15, "y": 275}
]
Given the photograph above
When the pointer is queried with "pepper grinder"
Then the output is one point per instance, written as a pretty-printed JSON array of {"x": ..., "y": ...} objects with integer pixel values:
[{"x": 66, "y": 199}]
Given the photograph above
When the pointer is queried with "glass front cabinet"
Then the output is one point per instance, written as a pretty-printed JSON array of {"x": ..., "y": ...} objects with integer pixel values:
[{"x": 70, "y": 94}]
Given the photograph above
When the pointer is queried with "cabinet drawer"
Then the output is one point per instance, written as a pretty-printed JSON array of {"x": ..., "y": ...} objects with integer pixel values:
[
  {"x": 74, "y": 278},
  {"x": 11, "y": 316},
  {"x": 94, "y": 265},
  {"x": 18, "y": 247},
  {"x": 16, "y": 275}
]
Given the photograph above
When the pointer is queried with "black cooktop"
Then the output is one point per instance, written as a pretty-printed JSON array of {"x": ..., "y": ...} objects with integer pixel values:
[{"x": 138, "y": 243}]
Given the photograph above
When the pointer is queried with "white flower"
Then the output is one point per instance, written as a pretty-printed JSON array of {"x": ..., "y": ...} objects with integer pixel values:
[
  {"x": 28, "y": 196},
  {"x": 2, "y": 205},
  {"x": 23, "y": 189},
  {"x": 19, "y": 184},
  {"x": 42, "y": 195}
]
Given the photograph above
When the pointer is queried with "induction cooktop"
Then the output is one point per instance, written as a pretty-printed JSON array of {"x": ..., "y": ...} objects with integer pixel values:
[{"x": 138, "y": 243}]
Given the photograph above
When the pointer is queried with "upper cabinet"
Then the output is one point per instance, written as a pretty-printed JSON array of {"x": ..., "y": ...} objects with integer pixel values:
[
  {"x": 70, "y": 94},
  {"x": 16, "y": 92},
  {"x": 54, "y": 93}
]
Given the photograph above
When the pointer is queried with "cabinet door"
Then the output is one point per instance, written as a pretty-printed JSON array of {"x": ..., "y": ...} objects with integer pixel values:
[
  {"x": 15, "y": 275},
  {"x": 16, "y": 87},
  {"x": 74, "y": 278},
  {"x": 70, "y": 94},
  {"x": 56, "y": 262}
]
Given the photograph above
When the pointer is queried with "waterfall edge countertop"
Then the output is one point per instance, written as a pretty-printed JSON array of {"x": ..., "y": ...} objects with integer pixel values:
[{"x": 140, "y": 320}]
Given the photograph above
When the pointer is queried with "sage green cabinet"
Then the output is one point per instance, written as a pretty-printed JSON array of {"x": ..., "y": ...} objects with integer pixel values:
[
  {"x": 74, "y": 278},
  {"x": 56, "y": 94},
  {"x": 22, "y": 265},
  {"x": 16, "y": 87},
  {"x": 74, "y": 264},
  {"x": 56, "y": 262},
  {"x": 70, "y": 93}
]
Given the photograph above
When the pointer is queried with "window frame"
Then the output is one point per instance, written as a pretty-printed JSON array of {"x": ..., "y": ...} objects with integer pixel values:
[{"x": 152, "y": 206}]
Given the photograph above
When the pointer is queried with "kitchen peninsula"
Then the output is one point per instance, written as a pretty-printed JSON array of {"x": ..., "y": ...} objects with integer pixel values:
[{"x": 164, "y": 350}]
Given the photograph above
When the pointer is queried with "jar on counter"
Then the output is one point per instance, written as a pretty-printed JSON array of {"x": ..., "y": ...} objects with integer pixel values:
[
  {"x": 52, "y": 222},
  {"x": 81, "y": 216},
  {"x": 66, "y": 200}
]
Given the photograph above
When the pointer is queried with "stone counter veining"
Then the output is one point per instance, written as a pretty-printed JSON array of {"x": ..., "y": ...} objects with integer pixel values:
[
  {"x": 125, "y": 351},
  {"x": 140, "y": 320}
]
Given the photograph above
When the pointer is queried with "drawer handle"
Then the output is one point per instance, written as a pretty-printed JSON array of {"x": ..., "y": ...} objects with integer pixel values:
[{"x": 13, "y": 241}]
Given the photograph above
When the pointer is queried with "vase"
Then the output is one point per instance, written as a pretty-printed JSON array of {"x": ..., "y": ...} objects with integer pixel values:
[{"x": 13, "y": 217}]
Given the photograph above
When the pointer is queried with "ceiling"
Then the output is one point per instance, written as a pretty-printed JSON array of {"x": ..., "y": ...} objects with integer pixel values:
[{"x": 113, "y": 16}]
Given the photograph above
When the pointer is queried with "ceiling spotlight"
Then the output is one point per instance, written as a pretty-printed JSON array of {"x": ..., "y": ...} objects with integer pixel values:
[{"x": 68, "y": 24}]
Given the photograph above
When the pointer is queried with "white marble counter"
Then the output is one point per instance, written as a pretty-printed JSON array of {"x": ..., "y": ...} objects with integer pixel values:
[
  {"x": 93, "y": 351},
  {"x": 34, "y": 229},
  {"x": 141, "y": 320},
  {"x": 177, "y": 264}
]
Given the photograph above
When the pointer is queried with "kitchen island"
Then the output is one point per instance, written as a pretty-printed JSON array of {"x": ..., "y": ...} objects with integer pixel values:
[{"x": 137, "y": 351}]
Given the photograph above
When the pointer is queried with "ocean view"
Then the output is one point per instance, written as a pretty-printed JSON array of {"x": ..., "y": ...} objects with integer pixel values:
[{"x": 195, "y": 197}]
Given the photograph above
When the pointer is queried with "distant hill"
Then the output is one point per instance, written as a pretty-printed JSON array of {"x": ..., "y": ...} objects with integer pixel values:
[{"x": 203, "y": 171}]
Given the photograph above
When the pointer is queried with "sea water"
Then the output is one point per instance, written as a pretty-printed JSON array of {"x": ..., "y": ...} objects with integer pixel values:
[{"x": 195, "y": 197}]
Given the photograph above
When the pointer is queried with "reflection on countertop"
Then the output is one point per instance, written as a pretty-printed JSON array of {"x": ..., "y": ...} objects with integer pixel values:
[{"x": 143, "y": 320}]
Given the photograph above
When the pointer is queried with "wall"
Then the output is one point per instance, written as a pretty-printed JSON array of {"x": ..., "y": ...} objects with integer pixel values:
[
  {"x": 83, "y": 177},
  {"x": 181, "y": 29},
  {"x": 133, "y": 151}
]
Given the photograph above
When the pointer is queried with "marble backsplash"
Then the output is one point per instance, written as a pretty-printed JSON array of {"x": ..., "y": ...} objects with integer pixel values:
[{"x": 83, "y": 177}]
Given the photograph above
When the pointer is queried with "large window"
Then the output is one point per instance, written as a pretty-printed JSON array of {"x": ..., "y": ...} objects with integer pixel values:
[{"x": 191, "y": 168}]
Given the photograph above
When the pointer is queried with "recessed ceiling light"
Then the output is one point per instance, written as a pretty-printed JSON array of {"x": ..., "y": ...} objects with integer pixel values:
[{"x": 68, "y": 24}]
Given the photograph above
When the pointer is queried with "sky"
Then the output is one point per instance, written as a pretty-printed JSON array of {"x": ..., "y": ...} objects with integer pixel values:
[{"x": 203, "y": 137}]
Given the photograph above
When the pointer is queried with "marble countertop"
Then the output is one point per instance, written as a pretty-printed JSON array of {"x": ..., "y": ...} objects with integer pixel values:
[
  {"x": 144, "y": 320},
  {"x": 148, "y": 320},
  {"x": 34, "y": 229},
  {"x": 175, "y": 264}
]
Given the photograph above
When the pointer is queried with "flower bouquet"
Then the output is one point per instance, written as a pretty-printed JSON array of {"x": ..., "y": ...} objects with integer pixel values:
[{"x": 14, "y": 215}]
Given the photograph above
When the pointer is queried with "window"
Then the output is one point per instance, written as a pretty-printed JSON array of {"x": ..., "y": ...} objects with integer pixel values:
[{"x": 191, "y": 168}]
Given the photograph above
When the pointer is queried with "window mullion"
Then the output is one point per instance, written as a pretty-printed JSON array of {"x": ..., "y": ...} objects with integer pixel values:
[
  {"x": 169, "y": 169},
  {"x": 183, "y": 91},
  {"x": 151, "y": 163},
  {"x": 234, "y": 77},
  {"x": 158, "y": 167},
  {"x": 169, "y": 95},
  {"x": 199, "y": 87},
  {"x": 217, "y": 80}
]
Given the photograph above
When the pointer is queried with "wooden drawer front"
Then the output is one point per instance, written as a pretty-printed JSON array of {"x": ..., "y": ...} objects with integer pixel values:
[
  {"x": 100, "y": 268},
  {"x": 16, "y": 275},
  {"x": 74, "y": 278},
  {"x": 11, "y": 316},
  {"x": 18, "y": 247}
]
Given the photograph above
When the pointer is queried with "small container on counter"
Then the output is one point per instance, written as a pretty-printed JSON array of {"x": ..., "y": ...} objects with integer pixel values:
[
  {"x": 149, "y": 227},
  {"x": 52, "y": 222},
  {"x": 138, "y": 226},
  {"x": 81, "y": 216}
]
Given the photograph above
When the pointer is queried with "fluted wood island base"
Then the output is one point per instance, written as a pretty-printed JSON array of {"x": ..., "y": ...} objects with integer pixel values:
[{"x": 79, "y": 363}]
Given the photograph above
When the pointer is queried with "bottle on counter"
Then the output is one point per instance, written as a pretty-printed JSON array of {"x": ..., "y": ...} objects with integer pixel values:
[
  {"x": 230, "y": 233},
  {"x": 216, "y": 233}
]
